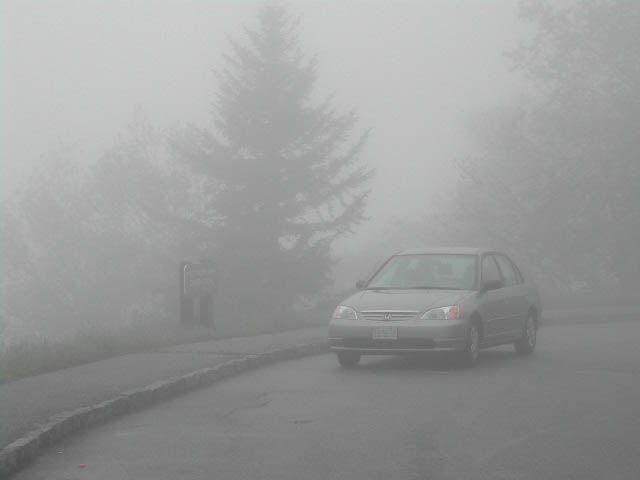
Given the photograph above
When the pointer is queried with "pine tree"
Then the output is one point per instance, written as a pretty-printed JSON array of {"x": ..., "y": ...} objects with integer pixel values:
[{"x": 285, "y": 178}]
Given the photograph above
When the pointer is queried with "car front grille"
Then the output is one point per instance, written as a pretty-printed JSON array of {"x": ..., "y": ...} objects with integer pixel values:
[{"x": 388, "y": 315}]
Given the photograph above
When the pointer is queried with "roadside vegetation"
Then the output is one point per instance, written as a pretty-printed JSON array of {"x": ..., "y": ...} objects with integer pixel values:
[
  {"x": 37, "y": 354},
  {"x": 279, "y": 175},
  {"x": 553, "y": 178},
  {"x": 262, "y": 191}
]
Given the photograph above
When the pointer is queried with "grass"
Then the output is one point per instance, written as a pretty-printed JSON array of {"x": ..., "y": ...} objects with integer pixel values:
[{"x": 40, "y": 355}]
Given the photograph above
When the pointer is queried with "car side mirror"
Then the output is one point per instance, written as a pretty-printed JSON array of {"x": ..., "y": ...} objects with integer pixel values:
[
  {"x": 360, "y": 284},
  {"x": 491, "y": 285}
]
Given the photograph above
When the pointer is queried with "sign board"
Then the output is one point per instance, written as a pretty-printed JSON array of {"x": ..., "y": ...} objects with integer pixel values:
[{"x": 198, "y": 279}]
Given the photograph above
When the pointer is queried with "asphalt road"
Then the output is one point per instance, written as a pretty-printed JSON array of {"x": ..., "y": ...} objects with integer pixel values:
[
  {"x": 29, "y": 401},
  {"x": 570, "y": 411}
]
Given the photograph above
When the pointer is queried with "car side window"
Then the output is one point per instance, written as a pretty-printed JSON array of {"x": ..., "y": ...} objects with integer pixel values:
[
  {"x": 489, "y": 269},
  {"x": 518, "y": 272},
  {"x": 508, "y": 271}
]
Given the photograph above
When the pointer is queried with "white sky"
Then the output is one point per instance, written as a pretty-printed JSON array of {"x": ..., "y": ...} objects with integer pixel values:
[{"x": 75, "y": 70}]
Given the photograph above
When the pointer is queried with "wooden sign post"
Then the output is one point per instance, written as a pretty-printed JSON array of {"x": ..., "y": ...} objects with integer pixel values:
[{"x": 197, "y": 285}]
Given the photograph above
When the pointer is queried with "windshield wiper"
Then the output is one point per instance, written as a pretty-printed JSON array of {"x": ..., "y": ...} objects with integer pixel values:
[
  {"x": 433, "y": 288},
  {"x": 413, "y": 288}
]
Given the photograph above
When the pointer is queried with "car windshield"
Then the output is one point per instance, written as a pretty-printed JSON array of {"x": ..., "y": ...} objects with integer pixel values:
[{"x": 427, "y": 271}]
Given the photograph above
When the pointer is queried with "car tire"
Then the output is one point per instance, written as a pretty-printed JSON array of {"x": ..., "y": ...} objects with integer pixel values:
[
  {"x": 527, "y": 343},
  {"x": 471, "y": 352},
  {"x": 348, "y": 359}
]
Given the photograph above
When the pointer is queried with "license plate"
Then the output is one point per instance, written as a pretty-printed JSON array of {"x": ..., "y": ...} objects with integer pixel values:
[{"x": 385, "y": 333}]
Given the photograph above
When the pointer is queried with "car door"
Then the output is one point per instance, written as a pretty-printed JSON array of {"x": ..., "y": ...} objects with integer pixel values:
[
  {"x": 515, "y": 302},
  {"x": 492, "y": 306}
]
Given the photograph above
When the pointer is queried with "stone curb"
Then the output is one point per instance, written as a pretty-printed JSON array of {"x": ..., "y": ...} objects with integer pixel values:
[{"x": 25, "y": 449}]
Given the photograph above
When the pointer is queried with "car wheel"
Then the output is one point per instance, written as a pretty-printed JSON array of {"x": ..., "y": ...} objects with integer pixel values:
[
  {"x": 348, "y": 359},
  {"x": 472, "y": 350},
  {"x": 527, "y": 343}
]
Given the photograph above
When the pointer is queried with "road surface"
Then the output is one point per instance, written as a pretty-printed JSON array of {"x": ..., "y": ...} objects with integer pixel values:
[{"x": 570, "y": 411}]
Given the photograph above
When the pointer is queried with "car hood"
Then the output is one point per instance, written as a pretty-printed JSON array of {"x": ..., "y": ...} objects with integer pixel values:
[{"x": 419, "y": 300}]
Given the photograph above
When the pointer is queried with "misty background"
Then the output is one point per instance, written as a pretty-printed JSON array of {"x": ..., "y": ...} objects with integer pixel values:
[{"x": 502, "y": 123}]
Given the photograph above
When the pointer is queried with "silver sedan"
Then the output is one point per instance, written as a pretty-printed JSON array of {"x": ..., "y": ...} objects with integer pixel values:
[{"x": 445, "y": 299}]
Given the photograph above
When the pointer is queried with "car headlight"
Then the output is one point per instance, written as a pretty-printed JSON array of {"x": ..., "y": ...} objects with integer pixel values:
[
  {"x": 344, "y": 313},
  {"x": 442, "y": 313}
]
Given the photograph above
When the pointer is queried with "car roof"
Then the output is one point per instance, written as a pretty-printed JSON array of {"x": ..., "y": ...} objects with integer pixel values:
[{"x": 446, "y": 250}]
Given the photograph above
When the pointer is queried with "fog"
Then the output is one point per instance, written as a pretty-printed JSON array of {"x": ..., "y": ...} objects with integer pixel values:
[
  {"x": 483, "y": 129},
  {"x": 413, "y": 71}
]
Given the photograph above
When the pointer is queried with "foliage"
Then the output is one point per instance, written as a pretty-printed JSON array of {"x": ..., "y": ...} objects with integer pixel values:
[
  {"x": 555, "y": 180},
  {"x": 586, "y": 60},
  {"x": 38, "y": 354},
  {"x": 97, "y": 245},
  {"x": 283, "y": 178}
]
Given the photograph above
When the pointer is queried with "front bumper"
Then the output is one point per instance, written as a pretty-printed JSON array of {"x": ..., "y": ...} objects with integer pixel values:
[{"x": 412, "y": 336}]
